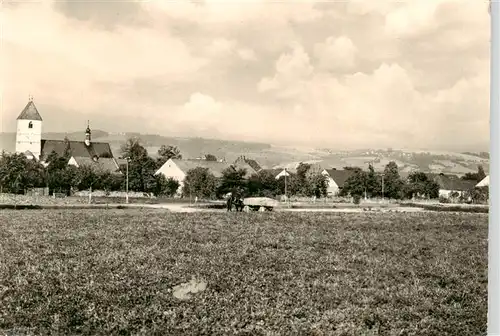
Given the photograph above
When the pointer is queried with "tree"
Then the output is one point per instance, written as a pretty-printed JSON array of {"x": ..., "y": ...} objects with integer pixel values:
[
  {"x": 166, "y": 153},
  {"x": 264, "y": 184},
  {"x": 67, "y": 148},
  {"x": 476, "y": 177},
  {"x": 317, "y": 185},
  {"x": 373, "y": 183},
  {"x": 355, "y": 185},
  {"x": 87, "y": 177},
  {"x": 18, "y": 173},
  {"x": 210, "y": 157},
  {"x": 300, "y": 182},
  {"x": 232, "y": 180},
  {"x": 133, "y": 149},
  {"x": 419, "y": 185},
  {"x": 141, "y": 167},
  {"x": 165, "y": 186},
  {"x": 141, "y": 174},
  {"x": 199, "y": 182},
  {"x": 480, "y": 173},
  {"x": 352, "y": 168},
  {"x": 393, "y": 184}
]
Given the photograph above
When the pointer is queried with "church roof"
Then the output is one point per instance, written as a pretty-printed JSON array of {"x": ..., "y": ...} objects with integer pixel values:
[
  {"x": 30, "y": 112},
  {"x": 76, "y": 148},
  {"x": 106, "y": 164}
]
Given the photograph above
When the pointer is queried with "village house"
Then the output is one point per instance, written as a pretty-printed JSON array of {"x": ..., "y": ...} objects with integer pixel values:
[
  {"x": 111, "y": 165},
  {"x": 336, "y": 180},
  {"x": 30, "y": 143},
  {"x": 283, "y": 172},
  {"x": 314, "y": 168},
  {"x": 484, "y": 182},
  {"x": 241, "y": 160},
  {"x": 178, "y": 169},
  {"x": 451, "y": 185}
]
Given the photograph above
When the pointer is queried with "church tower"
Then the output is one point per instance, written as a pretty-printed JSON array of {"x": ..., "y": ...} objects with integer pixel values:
[
  {"x": 29, "y": 131},
  {"x": 88, "y": 134}
]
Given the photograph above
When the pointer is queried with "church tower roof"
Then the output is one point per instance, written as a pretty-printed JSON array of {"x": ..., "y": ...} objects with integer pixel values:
[{"x": 30, "y": 112}]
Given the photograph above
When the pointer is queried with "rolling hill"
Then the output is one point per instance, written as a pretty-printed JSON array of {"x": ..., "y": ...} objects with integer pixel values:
[{"x": 286, "y": 156}]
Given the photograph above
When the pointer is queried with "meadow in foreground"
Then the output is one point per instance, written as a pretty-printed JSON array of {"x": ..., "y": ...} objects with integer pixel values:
[{"x": 112, "y": 271}]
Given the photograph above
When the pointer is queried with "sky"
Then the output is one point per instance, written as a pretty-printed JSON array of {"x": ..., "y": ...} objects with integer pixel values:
[{"x": 338, "y": 74}]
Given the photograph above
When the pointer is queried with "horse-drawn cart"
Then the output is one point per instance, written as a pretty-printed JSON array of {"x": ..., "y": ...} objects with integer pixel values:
[{"x": 259, "y": 204}]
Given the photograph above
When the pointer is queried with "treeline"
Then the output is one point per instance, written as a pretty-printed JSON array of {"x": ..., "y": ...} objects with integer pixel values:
[
  {"x": 200, "y": 182},
  {"x": 389, "y": 184}
]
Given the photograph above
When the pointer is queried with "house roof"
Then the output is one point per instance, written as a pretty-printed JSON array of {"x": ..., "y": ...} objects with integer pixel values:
[
  {"x": 106, "y": 164},
  {"x": 249, "y": 169},
  {"x": 215, "y": 167},
  {"x": 339, "y": 176},
  {"x": 29, "y": 112},
  {"x": 77, "y": 148},
  {"x": 251, "y": 162},
  {"x": 452, "y": 182},
  {"x": 274, "y": 171},
  {"x": 121, "y": 161}
]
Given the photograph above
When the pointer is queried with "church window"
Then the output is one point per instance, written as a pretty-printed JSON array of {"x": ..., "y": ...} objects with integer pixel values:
[{"x": 30, "y": 125}]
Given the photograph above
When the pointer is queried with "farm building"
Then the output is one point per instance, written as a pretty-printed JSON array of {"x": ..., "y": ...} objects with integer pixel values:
[
  {"x": 284, "y": 172},
  {"x": 29, "y": 139},
  {"x": 252, "y": 163},
  {"x": 104, "y": 164},
  {"x": 178, "y": 169},
  {"x": 484, "y": 182},
  {"x": 314, "y": 168},
  {"x": 451, "y": 184},
  {"x": 336, "y": 179},
  {"x": 274, "y": 171}
]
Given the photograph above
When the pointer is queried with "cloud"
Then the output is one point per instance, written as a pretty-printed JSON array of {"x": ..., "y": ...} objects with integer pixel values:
[
  {"x": 336, "y": 53},
  {"x": 291, "y": 68},
  {"x": 247, "y": 54},
  {"x": 342, "y": 74},
  {"x": 220, "y": 47}
]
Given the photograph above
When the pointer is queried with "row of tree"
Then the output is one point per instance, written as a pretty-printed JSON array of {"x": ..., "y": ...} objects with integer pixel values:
[
  {"x": 200, "y": 182},
  {"x": 17, "y": 174},
  {"x": 390, "y": 184}
]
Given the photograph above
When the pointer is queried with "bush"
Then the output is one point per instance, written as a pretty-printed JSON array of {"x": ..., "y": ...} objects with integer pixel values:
[
  {"x": 443, "y": 199},
  {"x": 356, "y": 199}
]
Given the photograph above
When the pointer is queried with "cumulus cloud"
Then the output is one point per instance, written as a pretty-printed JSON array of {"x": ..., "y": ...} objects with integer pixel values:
[
  {"x": 336, "y": 53},
  {"x": 356, "y": 74},
  {"x": 291, "y": 69},
  {"x": 247, "y": 54},
  {"x": 221, "y": 47}
]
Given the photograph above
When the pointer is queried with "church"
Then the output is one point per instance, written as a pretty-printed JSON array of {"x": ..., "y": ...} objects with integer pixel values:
[{"x": 30, "y": 143}]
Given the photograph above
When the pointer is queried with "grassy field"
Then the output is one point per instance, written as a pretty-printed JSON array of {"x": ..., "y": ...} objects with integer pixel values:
[{"x": 112, "y": 272}]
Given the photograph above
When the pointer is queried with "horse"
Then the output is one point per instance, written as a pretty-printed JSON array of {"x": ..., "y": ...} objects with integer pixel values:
[
  {"x": 238, "y": 203},
  {"x": 236, "y": 200}
]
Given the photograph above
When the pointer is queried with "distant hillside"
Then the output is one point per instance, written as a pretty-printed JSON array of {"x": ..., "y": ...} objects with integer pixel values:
[
  {"x": 407, "y": 160},
  {"x": 280, "y": 156}
]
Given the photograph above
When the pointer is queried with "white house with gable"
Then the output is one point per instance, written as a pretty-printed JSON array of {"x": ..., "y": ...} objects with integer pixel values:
[{"x": 484, "y": 182}]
